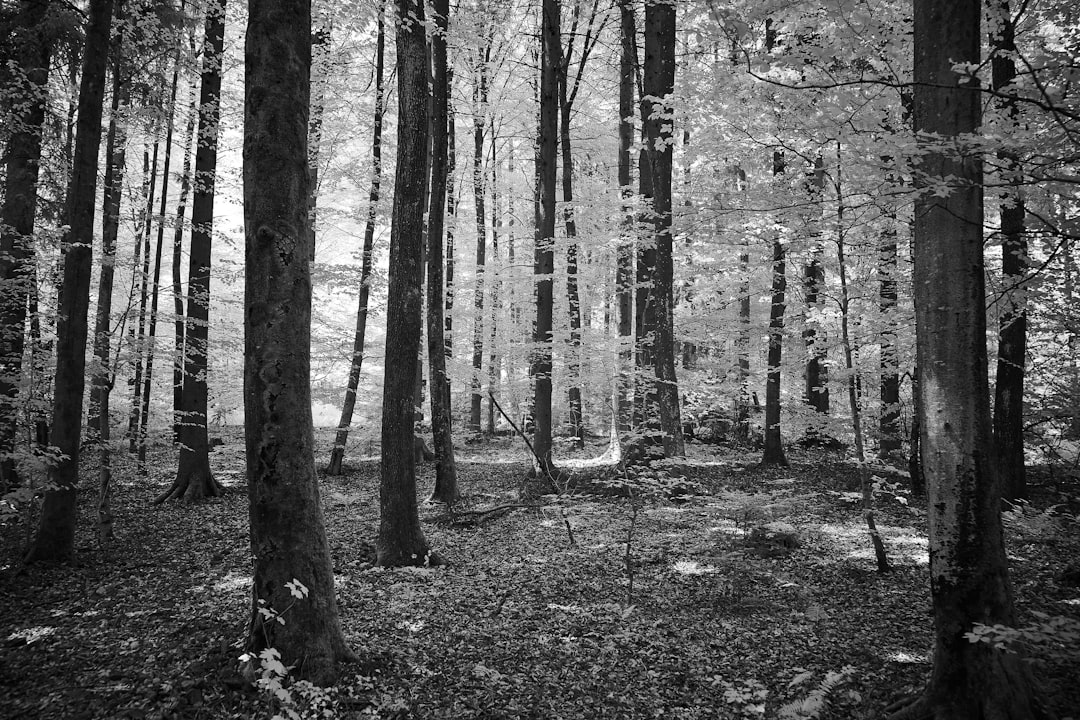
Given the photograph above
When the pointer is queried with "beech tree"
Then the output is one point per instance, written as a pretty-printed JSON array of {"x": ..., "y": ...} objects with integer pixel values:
[
  {"x": 194, "y": 480},
  {"x": 969, "y": 577},
  {"x": 55, "y": 538},
  {"x": 401, "y": 539},
  {"x": 288, "y": 537}
]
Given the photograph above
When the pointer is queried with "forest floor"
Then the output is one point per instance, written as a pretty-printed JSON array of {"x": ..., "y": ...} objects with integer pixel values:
[{"x": 695, "y": 620}]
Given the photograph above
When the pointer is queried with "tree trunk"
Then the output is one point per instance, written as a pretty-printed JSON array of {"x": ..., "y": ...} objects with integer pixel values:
[
  {"x": 968, "y": 569},
  {"x": 1012, "y": 330},
  {"x": 774, "y": 447},
  {"x": 178, "y": 239},
  {"x": 495, "y": 287},
  {"x": 337, "y": 454},
  {"x": 134, "y": 428},
  {"x": 817, "y": 388},
  {"x": 193, "y": 477},
  {"x": 55, "y": 539},
  {"x": 288, "y": 537},
  {"x": 446, "y": 487},
  {"x": 320, "y": 50},
  {"x": 624, "y": 262},
  {"x": 31, "y": 52},
  {"x": 480, "y": 100},
  {"x": 401, "y": 539},
  {"x": 659, "y": 82},
  {"x": 889, "y": 445},
  {"x": 451, "y": 215},
  {"x": 544, "y": 254}
]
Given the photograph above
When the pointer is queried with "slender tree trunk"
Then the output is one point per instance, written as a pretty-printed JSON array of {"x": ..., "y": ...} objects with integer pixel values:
[
  {"x": 817, "y": 388},
  {"x": 658, "y": 82},
  {"x": 451, "y": 223},
  {"x": 495, "y": 288},
  {"x": 1012, "y": 330},
  {"x": 480, "y": 99},
  {"x": 193, "y": 477},
  {"x": 624, "y": 272},
  {"x": 890, "y": 445},
  {"x": 544, "y": 254},
  {"x": 337, "y": 454},
  {"x": 55, "y": 539},
  {"x": 969, "y": 579},
  {"x": 288, "y": 537},
  {"x": 178, "y": 239},
  {"x": 134, "y": 428},
  {"x": 31, "y": 52},
  {"x": 774, "y": 448},
  {"x": 401, "y": 540},
  {"x": 446, "y": 487}
]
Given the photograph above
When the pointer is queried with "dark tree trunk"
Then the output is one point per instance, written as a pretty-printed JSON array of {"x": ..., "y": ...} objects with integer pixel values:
[
  {"x": 889, "y": 446},
  {"x": 30, "y": 51},
  {"x": 194, "y": 480},
  {"x": 55, "y": 539},
  {"x": 337, "y": 454},
  {"x": 774, "y": 446},
  {"x": 1012, "y": 330},
  {"x": 480, "y": 100},
  {"x": 140, "y": 340},
  {"x": 446, "y": 487},
  {"x": 624, "y": 270},
  {"x": 968, "y": 570},
  {"x": 401, "y": 539},
  {"x": 646, "y": 412},
  {"x": 495, "y": 287},
  {"x": 288, "y": 537},
  {"x": 451, "y": 214},
  {"x": 817, "y": 388},
  {"x": 178, "y": 239},
  {"x": 544, "y": 254}
]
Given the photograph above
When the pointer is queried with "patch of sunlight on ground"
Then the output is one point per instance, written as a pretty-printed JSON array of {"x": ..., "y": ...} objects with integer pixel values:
[
  {"x": 32, "y": 634},
  {"x": 1072, "y": 601},
  {"x": 692, "y": 567},
  {"x": 908, "y": 658},
  {"x": 233, "y": 581}
]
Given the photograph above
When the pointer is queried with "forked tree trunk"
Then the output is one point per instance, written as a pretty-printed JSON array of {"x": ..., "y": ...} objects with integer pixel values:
[
  {"x": 194, "y": 480},
  {"x": 337, "y": 454},
  {"x": 288, "y": 537},
  {"x": 659, "y": 82},
  {"x": 544, "y": 238},
  {"x": 1012, "y": 330},
  {"x": 969, "y": 578},
  {"x": 55, "y": 538},
  {"x": 401, "y": 539},
  {"x": 446, "y": 487},
  {"x": 31, "y": 52}
]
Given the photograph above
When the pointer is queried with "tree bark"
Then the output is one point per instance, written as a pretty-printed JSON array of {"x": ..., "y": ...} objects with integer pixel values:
[
  {"x": 774, "y": 446},
  {"x": 889, "y": 444},
  {"x": 401, "y": 540},
  {"x": 31, "y": 52},
  {"x": 446, "y": 487},
  {"x": 968, "y": 569},
  {"x": 337, "y": 454},
  {"x": 1012, "y": 330},
  {"x": 194, "y": 480},
  {"x": 288, "y": 538},
  {"x": 544, "y": 253},
  {"x": 817, "y": 388},
  {"x": 140, "y": 340},
  {"x": 480, "y": 100},
  {"x": 658, "y": 84},
  {"x": 55, "y": 538},
  {"x": 624, "y": 262},
  {"x": 178, "y": 239}
]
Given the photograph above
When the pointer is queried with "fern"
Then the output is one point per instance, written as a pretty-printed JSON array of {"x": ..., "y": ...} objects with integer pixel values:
[{"x": 817, "y": 701}]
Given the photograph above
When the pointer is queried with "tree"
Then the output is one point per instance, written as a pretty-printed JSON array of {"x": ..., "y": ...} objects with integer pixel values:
[
  {"x": 969, "y": 578},
  {"x": 30, "y": 52},
  {"x": 55, "y": 537},
  {"x": 544, "y": 234},
  {"x": 288, "y": 538},
  {"x": 401, "y": 539},
  {"x": 446, "y": 489},
  {"x": 624, "y": 271},
  {"x": 337, "y": 454},
  {"x": 480, "y": 109},
  {"x": 193, "y": 477},
  {"x": 658, "y": 84}
]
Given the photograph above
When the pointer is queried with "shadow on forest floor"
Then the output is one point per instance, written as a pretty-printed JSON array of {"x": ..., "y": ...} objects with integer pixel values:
[{"x": 520, "y": 624}]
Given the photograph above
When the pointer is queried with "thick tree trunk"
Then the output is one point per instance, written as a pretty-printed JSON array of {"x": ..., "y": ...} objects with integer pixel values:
[
  {"x": 288, "y": 537},
  {"x": 646, "y": 413},
  {"x": 31, "y": 52},
  {"x": 55, "y": 539},
  {"x": 968, "y": 569},
  {"x": 774, "y": 445},
  {"x": 446, "y": 487},
  {"x": 817, "y": 388},
  {"x": 320, "y": 50},
  {"x": 193, "y": 477},
  {"x": 1012, "y": 330},
  {"x": 624, "y": 262},
  {"x": 337, "y": 454},
  {"x": 401, "y": 539},
  {"x": 659, "y": 82},
  {"x": 544, "y": 254}
]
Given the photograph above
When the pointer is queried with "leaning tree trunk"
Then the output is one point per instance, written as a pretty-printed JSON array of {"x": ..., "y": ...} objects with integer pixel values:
[
  {"x": 446, "y": 487},
  {"x": 31, "y": 52},
  {"x": 1012, "y": 330},
  {"x": 969, "y": 578},
  {"x": 194, "y": 480},
  {"x": 544, "y": 239},
  {"x": 659, "y": 82},
  {"x": 55, "y": 539},
  {"x": 337, "y": 454},
  {"x": 401, "y": 539},
  {"x": 293, "y": 573}
]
